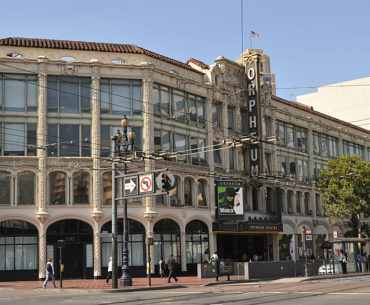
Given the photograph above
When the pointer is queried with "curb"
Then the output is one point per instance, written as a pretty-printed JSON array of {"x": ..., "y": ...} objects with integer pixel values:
[{"x": 144, "y": 288}]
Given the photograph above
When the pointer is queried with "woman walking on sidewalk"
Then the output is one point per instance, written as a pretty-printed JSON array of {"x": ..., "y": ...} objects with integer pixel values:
[{"x": 109, "y": 275}]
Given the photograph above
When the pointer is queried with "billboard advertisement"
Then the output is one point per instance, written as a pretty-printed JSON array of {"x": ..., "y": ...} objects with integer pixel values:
[{"x": 230, "y": 198}]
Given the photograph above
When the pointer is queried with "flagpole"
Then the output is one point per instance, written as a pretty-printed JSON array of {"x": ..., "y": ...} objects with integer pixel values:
[
  {"x": 241, "y": 9},
  {"x": 250, "y": 40}
]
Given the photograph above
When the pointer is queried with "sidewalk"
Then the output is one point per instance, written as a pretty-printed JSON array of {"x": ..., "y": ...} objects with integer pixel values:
[
  {"x": 140, "y": 284},
  {"x": 100, "y": 284}
]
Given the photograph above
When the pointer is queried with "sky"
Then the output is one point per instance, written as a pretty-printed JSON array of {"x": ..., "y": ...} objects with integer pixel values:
[{"x": 311, "y": 43}]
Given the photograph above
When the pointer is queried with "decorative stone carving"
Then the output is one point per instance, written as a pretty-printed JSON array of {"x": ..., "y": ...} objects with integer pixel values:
[
  {"x": 150, "y": 215},
  {"x": 42, "y": 216},
  {"x": 97, "y": 215}
]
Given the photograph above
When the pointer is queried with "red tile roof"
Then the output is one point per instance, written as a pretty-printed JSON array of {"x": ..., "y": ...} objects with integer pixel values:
[
  {"x": 198, "y": 63},
  {"x": 88, "y": 46},
  {"x": 325, "y": 116}
]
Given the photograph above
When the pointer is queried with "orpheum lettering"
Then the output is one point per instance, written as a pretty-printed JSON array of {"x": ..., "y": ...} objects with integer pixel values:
[{"x": 254, "y": 117}]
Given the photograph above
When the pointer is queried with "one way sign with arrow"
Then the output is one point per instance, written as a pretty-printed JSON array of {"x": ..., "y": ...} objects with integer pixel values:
[{"x": 130, "y": 185}]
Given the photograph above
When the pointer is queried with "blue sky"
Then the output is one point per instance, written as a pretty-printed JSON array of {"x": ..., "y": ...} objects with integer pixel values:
[{"x": 311, "y": 43}]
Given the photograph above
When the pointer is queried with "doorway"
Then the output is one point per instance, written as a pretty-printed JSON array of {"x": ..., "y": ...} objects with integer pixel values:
[
  {"x": 233, "y": 246},
  {"x": 78, "y": 251}
]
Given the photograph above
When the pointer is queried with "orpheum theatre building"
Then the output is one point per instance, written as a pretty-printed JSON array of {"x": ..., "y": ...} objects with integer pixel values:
[{"x": 244, "y": 160}]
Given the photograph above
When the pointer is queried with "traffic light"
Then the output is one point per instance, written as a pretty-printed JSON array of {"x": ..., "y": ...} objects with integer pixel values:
[{"x": 165, "y": 181}]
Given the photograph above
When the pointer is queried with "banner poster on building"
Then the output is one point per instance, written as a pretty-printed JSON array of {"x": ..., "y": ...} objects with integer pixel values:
[{"x": 230, "y": 198}]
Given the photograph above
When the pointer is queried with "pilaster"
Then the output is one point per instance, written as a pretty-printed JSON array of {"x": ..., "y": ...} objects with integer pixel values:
[
  {"x": 96, "y": 144},
  {"x": 42, "y": 141}
]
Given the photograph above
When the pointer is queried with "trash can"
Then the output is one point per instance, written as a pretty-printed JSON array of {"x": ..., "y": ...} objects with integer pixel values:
[{"x": 364, "y": 266}]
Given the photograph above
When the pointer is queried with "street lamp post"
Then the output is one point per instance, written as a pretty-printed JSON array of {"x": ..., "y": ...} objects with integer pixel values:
[{"x": 122, "y": 143}]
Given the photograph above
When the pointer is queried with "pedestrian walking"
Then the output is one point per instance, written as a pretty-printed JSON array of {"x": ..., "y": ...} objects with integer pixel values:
[
  {"x": 49, "y": 273},
  {"x": 343, "y": 261},
  {"x": 172, "y": 268},
  {"x": 214, "y": 264},
  {"x": 161, "y": 265},
  {"x": 109, "y": 275}
]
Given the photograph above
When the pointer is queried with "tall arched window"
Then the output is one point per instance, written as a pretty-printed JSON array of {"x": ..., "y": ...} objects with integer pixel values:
[
  {"x": 57, "y": 182},
  {"x": 5, "y": 188},
  {"x": 175, "y": 199},
  {"x": 18, "y": 246},
  {"x": 289, "y": 197},
  {"x": 318, "y": 204},
  {"x": 26, "y": 188},
  {"x": 107, "y": 188},
  {"x": 202, "y": 197},
  {"x": 136, "y": 243},
  {"x": 298, "y": 202},
  {"x": 80, "y": 188},
  {"x": 196, "y": 242},
  {"x": 166, "y": 239},
  {"x": 269, "y": 207},
  {"x": 307, "y": 205},
  {"x": 255, "y": 198},
  {"x": 188, "y": 191}
]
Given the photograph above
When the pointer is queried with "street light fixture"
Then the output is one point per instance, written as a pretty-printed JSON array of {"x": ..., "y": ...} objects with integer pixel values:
[{"x": 122, "y": 144}]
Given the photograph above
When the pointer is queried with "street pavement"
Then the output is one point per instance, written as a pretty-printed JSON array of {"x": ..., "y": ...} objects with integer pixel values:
[{"x": 349, "y": 283}]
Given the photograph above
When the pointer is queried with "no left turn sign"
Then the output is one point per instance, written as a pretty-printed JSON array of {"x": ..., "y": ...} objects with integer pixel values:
[{"x": 146, "y": 183}]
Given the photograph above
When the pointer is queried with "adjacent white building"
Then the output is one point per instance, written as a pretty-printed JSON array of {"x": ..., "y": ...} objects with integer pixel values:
[{"x": 348, "y": 101}]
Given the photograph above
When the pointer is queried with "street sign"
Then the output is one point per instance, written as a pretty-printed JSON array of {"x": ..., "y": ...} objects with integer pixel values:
[
  {"x": 308, "y": 231},
  {"x": 146, "y": 183},
  {"x": 309, "y": 237},
  {"x": 335, "y": 234},
  {"x": 130, "y": 186}
]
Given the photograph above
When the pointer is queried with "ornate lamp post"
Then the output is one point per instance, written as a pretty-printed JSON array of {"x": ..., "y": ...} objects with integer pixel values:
[{"x": 122, "y": 144}]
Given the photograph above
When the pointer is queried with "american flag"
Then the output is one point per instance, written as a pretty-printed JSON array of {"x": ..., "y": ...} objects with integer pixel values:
[{"x": 254, "y": 34}]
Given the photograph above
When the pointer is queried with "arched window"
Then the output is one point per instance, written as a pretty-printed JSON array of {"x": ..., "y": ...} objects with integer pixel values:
[
  {"x": 197, "y": 246},
  {"x": 80, "y": 188},
  {"x": 289, "y": 197},
  {"x": 269, "y": 207},
  {"x": 282, "y": 200},
  {"x": 307, "y": 205},
  {"x": 5, "y": 188},
  {"x": 318, "y": 204},
  {"x": 255, "y": 198},
  {"x": 298, "y": 202},
  {"x": 107, "y": 188},
  {"x": 136, "y": 243},
  {"x": 18, "y": 245},
  {"x": 166, "y": 240},
  {"x": 26, "y": 188},
  {"x": 175, "y": 199},
  {"x": 57, "y": 188},
  {"x": 202, "y": 197},
  {"x": 188, "y": 192}
]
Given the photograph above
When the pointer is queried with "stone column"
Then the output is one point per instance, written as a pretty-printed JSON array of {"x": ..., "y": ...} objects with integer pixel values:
[
  {"x": 42, "y": 252},
  {"x": 150, "y": 234},
  {"x": 97, "y": 255},
  {"x": 42, "y": 140},
  {"x": 183, "y": 251},
  {"x": 96, "y": 144}
]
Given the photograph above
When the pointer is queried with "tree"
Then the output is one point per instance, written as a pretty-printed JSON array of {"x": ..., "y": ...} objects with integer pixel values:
[{"x": 345, "y": 189}]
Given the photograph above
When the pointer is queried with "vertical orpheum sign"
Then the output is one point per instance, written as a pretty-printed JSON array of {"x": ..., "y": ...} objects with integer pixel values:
[{"x": 254, "y": 115}]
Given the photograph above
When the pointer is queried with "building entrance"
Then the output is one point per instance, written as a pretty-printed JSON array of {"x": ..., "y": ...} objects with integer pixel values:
[
  {"x": 77, "y": 256},
  {"x": 234, "y": 246}
]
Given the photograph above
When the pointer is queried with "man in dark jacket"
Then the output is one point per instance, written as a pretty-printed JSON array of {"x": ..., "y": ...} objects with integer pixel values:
[{"x": 172, "y": 268}]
